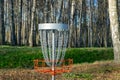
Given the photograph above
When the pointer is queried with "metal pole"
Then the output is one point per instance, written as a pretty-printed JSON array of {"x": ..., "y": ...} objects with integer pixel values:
[{"x": 53, "y": 53}]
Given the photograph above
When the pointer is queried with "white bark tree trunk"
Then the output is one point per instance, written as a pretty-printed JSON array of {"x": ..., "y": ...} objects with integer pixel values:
[
  {"x": 31, "y": 38},
  {"x": 71, "y": 24},
  {"x": 114, "y": 25},
  {"x": 59, "y": 11}
]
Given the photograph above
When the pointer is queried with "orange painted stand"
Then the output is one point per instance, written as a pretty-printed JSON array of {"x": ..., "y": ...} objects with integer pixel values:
[{"x": 42, "y": 67}]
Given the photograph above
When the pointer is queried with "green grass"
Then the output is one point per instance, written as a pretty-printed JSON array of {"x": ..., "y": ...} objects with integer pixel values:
[{"x": 22, "y": 57}]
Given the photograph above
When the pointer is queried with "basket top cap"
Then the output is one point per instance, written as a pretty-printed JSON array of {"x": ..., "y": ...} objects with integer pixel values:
[{"x": 53, "y": 26}]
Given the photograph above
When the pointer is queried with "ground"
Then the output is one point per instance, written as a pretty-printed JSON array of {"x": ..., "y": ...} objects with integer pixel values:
[{"x": 104, "y": 70}]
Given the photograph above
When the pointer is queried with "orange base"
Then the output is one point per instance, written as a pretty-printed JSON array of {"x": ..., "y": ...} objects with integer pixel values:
[{"x": 58, "y": 70}]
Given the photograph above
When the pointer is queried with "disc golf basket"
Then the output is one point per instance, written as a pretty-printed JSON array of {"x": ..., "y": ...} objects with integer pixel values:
[{"x": 53, "y": 38}]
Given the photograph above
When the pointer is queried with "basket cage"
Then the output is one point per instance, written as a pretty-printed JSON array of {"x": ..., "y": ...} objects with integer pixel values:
[{"x": 53, "y": 39}]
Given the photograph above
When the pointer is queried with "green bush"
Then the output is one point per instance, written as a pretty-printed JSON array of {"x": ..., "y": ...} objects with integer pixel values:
[
  {"x": 80, "y": 55},
  {"x": 19, "y": 57},
  {"x": 22, "y": 57}
]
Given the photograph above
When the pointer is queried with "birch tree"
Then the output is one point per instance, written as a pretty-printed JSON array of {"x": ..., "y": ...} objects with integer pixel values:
[
  {"x": 59, "y": 11},
  {"x": 78, "y": 21},
  {"x": 71, "y": 44},
  {"x": 31, "y": 38},
  {"x": 20, "y": 23},
  {"x": 89, "y": 23},
  {"x": 114, "y": 25}
]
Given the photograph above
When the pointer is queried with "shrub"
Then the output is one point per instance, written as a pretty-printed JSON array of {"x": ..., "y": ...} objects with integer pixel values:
[
  {"x": 19, "y": 57},
  {"x": 22, "y": 57},
  {"x": 80, "y": 55}
]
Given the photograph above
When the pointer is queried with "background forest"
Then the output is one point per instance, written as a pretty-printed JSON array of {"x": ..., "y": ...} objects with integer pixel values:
[{"x": 88, "y": 21}]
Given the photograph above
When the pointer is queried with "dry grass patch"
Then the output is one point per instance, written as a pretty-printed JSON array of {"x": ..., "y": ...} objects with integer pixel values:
[{"x": 106, "y": 70}]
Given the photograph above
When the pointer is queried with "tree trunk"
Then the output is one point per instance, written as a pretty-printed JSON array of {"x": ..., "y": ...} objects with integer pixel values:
[
  {"x": 71, "y": 31},
  {"x": 2, "y": 27},
  {"x": 80, "y": 22},
  {"x": 59, "y": 11},
  {"x": 45, "y": 11},
  {"x": 31, "y": 38},
  {"x": 0, "y": 24},
  {"x": 20, "y": 24},
  {"x": 105, "y": 28},
  {"x": 13, "y": 36},
  {"x": 114, "y": 25},
  {"x": 90, "y": 32}
]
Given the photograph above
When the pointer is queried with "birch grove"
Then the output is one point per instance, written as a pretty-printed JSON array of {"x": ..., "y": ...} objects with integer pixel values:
[{"x": 88, "y": 21}]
